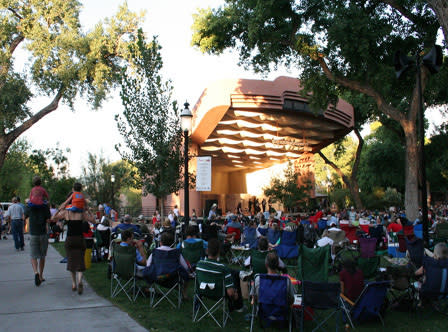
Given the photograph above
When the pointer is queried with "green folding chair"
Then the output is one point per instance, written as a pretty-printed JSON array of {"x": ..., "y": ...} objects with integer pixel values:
[
  {"x": 124, "y": 269},
  {"x": 313, "y": 263},
  {"x": 210, "y": 295},
  {"x": 193, "y": 252},
  {"x": 257, "y": 261}
]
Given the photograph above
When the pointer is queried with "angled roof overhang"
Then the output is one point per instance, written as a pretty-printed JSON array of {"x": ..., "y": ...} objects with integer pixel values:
[{"x": 253, "y": 124}]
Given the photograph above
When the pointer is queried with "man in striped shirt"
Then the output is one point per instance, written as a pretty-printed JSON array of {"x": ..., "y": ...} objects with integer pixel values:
[{"x": 231, "y": 277}]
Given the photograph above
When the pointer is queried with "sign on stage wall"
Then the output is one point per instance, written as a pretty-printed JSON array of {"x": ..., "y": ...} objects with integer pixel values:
[{"x": 204, "y": 173}]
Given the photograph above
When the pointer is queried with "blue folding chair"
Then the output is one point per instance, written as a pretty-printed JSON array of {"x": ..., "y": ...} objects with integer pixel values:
[
  {"x": 272, "y": 303},
  {"x": 250, "y": 237},
  {"x": 416, "y": 250},
  {"x": 369, "y": 304},
  {"x": 273, "y": 236},
  {"x": 288, "y": 247},
  {"x": 435, "y": 287}
]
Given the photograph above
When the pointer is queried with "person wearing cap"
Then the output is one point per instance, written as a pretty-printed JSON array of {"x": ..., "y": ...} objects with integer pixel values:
[
  {"x": 212, "y": 212},
  {"x": 142, "y": 224},
  {"x": 127, "y": 224}
]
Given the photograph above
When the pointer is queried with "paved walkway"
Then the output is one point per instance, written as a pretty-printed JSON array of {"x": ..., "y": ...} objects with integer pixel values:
[{"x": 52, "y": 305}]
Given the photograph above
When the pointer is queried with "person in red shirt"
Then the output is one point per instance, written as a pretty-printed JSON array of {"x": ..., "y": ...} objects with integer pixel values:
[
  {"x": 351, "y": 279},
  {"x": 395, "y": 226},
  {"x": 38, "y": 195}
]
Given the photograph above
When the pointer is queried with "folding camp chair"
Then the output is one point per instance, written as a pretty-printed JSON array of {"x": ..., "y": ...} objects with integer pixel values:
[
  {"x": 193, "y": 252},
  {"x": 416, "y": 251},
  {"x": 367, "y": 247},
  {"x": 402, "y": 293},
  {"x": 124, "y": 269},
  {"x": 271, "y": 305},
  {"x": 250, "y": 237},
  {"x": 321, "y": 296},
  {"x": 393, "y": 246},
  {"x": 165, "y": 267},
  {"x": 369, "y": 266},
  {"x": 288, "y": 247},
  {"x": 435, "y": 287},
  {"x": 369, "y": 305},
  {"x": 257, "y": 261},
  {"x": 313, "y": 263},
  {"x": 209, "y": 287}
]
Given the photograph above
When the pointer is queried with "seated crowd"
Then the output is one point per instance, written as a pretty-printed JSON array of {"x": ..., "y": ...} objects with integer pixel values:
[{"x": 268, "y": 237}]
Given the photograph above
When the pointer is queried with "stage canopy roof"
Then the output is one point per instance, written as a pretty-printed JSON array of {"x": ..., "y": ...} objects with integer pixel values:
[{"x": 252, "y": 124}]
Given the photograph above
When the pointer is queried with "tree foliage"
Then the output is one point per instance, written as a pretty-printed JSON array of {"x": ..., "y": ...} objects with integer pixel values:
[
  {"x": 285, "y": 189},
  {"x": 340, "y": 46},
  {"x": 23, "y": 162},
  {"x": 150, "y": 124},
  {"x": 97, "y": 179},
  {"x": 64, "y": 61},
  {"x": 437, "y": 160}
]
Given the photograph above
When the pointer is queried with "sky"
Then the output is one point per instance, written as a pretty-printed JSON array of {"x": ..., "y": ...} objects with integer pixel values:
[{"x": 190, "y": 71}]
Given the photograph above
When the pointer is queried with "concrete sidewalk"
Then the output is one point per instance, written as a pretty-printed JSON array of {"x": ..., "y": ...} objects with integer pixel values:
[{"x": 52, "y": 305}]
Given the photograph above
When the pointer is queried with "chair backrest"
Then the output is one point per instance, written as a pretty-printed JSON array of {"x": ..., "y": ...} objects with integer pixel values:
[
  {"x": 124, "y": 260},
  {"x": 370, "y": 302},
  {"x": 105, "y": 237},
  {"x": 367, "y": 247},
  {"x": 235, "y": 230},
  {"x": 166, "y": 262},
  {"x": 273, "y": 299},
  {"x": 250, "y": 236},
  {"x": 436, "y": 282},
  {"x": 273, "y": 236},
  {"x": 402, "y": 247},
  {"x": 288, "y": 238},
  {"x": 441, "y": 230},
  {"x": 321, "y": 295},
  {"x": 416, "y": 249},
  {"x": 257, "y": 261},
  {"x": 369, "y": 265},
  {"x": 313, "y": 263},
  {"x": 209, "y": 283},
  {"x": 263, "y": 231},
  {"x": 193, "y": 251}
]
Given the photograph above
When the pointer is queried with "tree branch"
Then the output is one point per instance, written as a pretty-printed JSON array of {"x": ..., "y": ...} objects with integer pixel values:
[
  {"x": 357, "y": 155},
  {"x": 402, "y": 10},
  {"x": 15, "y": 13},
  {"x": 15, "y": 42},
  {"x": 363, "y": 88},
  {"x": 336, "y": 168},
  {"x": 13, "y": 135}
]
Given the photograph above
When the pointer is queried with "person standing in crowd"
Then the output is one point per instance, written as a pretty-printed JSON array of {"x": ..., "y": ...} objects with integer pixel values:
[
  {"x": 16, "y": 215},
  {"x": 38, "y": 219},
  {"x": 75, "y": 245}
]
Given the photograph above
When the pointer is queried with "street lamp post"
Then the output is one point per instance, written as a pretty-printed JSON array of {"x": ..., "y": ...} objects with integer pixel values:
[
  {"x": 186, "y": 117},
  {"x": 112, "y": 180}
]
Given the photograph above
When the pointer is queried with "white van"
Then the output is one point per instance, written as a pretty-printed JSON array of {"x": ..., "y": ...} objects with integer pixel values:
[{"x": 5, "y": 205}]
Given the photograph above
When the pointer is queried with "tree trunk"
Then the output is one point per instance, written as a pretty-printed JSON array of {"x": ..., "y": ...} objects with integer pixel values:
[
  {"x": 411, "y": 169},
  {"x": 161, "y": 208}
]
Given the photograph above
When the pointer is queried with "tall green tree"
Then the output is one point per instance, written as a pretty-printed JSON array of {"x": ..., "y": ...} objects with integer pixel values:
[
  {"x": 437, "y": 160},
  {"x": 150, "y": 124},
  {"x": 286, "y": 190},
  {"x": 340, "y": 46},
  {"x": 64, "y": 61},
  {"x": 97, "y": 179}
]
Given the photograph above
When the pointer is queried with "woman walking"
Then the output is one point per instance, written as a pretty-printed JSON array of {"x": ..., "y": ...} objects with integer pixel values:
[{"x": 75, "y": 246}]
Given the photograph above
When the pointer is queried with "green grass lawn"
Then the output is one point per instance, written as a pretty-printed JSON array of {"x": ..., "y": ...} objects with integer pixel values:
[{"x": 165, "y": 318}]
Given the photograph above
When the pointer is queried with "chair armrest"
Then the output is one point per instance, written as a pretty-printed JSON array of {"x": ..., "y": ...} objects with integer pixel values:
[{"x": 345, "y": 298}]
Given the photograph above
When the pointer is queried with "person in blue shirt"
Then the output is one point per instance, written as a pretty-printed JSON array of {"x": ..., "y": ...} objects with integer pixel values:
[
  {"x": 192, "y": 237},
  {"x": 126, "y": 224}
]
